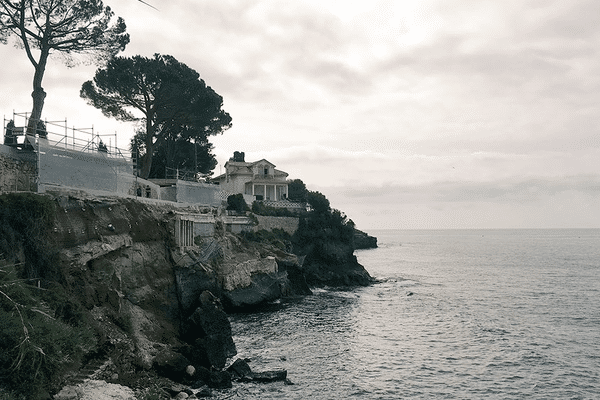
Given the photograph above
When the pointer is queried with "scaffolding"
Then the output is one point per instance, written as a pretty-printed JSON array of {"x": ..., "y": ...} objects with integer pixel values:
[
  {"x": 59, "y": 134},
  {"x": 72, "y": 157}
]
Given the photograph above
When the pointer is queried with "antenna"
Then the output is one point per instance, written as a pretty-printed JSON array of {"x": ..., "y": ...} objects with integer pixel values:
[{"x": 148, "y": 4}]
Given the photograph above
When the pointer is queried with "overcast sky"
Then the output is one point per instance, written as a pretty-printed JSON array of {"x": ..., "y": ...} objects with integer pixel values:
[{"x": 405, "y": 114}]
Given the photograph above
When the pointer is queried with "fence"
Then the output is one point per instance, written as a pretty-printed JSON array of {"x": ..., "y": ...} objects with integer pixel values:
[
  {"x": 79, "y": 158},
  {"x": 70, "y": 157}
]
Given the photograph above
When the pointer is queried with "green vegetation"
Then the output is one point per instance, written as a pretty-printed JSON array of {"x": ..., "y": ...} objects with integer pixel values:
[
  {"x": 297, "y": 191},
  {"x": 175, "y": 105},
  {"x": 42, "y": 334},
  {"x": 322, "y": 229},
  {"x": 25, "y": 220},
  {"x": 67, "y": 27},
  {"x": 275, "y": 237},
  {"x": 43, "y": 331},
  {"x": 237, "y": 203},
  {"x": 261, "y": 209}
]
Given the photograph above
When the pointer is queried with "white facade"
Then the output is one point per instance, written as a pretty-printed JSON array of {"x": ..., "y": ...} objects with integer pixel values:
[{"x": 258, "y": 179}]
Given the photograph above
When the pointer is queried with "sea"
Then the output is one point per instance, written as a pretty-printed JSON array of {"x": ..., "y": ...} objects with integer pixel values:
[{"x": 454, "y": 314}]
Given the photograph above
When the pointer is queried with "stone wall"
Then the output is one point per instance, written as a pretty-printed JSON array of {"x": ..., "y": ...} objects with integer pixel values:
[
  {"x": 288, "y": 224},
  {"x": 16, "y": 175}
]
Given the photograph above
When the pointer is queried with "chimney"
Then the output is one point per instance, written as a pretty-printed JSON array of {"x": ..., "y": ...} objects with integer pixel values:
[{"x": 238, "y": 156}]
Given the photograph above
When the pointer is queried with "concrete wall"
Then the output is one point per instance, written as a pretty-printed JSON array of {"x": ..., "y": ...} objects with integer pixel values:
[
  {"x": 17, "y": 171},
  {"x": 236, "y": 224},
  {"x": 198, "y": 193},
  {"x": 84, "y": 170},
  {"x": 288, "y": 224}
]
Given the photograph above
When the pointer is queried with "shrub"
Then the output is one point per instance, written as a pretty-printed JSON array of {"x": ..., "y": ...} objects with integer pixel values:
[
  {"x": 261, "y": 209},
  {"x": 237, "y": 203},
  {"x": 25, "y": 220},
  {"x": 35, "y": 347},
  {"x": 276, "y": 237}
]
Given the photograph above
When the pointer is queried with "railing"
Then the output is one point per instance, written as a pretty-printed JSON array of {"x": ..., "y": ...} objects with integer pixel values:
[
  {"x": 184, "y": 175},
  {"x": 69, "y": 157},
  {"x": 263, "y": 176},
  {"x": 58, "y": 135}
]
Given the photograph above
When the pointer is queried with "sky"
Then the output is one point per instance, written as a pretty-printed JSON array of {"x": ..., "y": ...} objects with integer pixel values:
[{"x": 425, "y": 114}]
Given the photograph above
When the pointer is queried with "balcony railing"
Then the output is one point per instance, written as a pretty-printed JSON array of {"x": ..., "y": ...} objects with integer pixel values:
[{"x": 264, "y": 177}]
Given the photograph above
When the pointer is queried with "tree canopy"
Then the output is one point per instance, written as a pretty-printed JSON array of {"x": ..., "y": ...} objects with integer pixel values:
[
  {"x": 297, "y": 190},
  {"x": 166, "y": 95},
  {"x": 321, "y": 228},
  {"x": 67, "y": 27},
  {"x": 176, "y": 153}
]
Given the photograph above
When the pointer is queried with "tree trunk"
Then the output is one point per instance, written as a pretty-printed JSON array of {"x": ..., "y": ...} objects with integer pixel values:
[
  {"x": 38, "y": 94},
  {"x": 147, "y": 164}
]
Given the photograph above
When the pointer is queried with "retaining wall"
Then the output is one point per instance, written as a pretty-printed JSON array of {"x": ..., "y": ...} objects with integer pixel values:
[
  {"x": 288, "y": 224},
  {"x": 17, "y": 174}
]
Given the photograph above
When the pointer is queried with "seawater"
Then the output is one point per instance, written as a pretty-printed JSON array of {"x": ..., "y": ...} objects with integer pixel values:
[{"x": 456, "y": 314}]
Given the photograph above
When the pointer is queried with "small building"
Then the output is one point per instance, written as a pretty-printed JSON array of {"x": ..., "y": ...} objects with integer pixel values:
[{"x": 258, "y": 180}]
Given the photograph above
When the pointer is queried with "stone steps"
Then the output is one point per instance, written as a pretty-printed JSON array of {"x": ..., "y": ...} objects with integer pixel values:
[{"x": 88, "y": 371}]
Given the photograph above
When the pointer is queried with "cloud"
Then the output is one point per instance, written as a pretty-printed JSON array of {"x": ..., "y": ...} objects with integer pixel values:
[
  {"x": 453, "y": 106},
  {"x": 501, "y": 191}
]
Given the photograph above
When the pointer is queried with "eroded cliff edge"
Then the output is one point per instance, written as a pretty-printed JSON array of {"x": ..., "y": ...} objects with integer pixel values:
[{"x": 153, "y": 304}]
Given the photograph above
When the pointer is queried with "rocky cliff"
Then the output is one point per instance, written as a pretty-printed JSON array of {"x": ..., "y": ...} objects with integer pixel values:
[
  {"x": 362, "y": 240},
  {"x": 154, "y": 306}
]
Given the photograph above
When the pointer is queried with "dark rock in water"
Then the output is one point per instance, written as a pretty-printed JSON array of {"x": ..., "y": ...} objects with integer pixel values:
[
  {"x": 270, "y": 376},
  {"x": 345, "y": 273},
  {"x": 297, "y": 282},
  {"x": 364, "y": 241},
  {"x": 209, "y": 331},
  {"x": 171, "y": 364},
  {"x": 240, "y": 370},
  {"x": 263, "y": 289},
  {"x": 213, "y": 378}
]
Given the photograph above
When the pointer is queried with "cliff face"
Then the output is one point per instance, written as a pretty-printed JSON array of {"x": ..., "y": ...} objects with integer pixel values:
[
  {"x": 157, "y": 306},
  {"x": 121, "y": 254},
  {"x": 363, "y": 240},
  {"x": 153, "y": 305}
]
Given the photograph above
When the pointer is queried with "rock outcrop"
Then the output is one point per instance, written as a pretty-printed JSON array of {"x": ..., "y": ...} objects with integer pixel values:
[
  {"x": 333, "y": 263},
  {"x": 95, "y": 390},
  {"x": 363, "y": 240},
  {"x": 157, "y": 307}
]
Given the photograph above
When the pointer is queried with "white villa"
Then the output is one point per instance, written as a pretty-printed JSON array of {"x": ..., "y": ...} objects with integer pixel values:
[{"x": 258, "y": 180}]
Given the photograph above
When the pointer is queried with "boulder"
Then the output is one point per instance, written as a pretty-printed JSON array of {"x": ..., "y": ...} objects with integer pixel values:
[
  {"x": 95, "y": 390},
  {"x": 348, "y": 273},
  {"x": 240, "y": 370},
  {"x": 176, "y": 388},
  {"x": 171, "y": 364},
  {"x": 209, "y": 331},
  {"x": 192, "y": 278},
  {"x": 297, "y": 285},
  {"x": 262, "y": 289},
  {"x": 270, "y": 376},
  {"x": 215, "y": 379}
]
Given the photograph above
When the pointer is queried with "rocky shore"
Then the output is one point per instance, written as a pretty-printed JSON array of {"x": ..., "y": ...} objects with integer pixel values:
[{"x": 158, "y": 310}]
